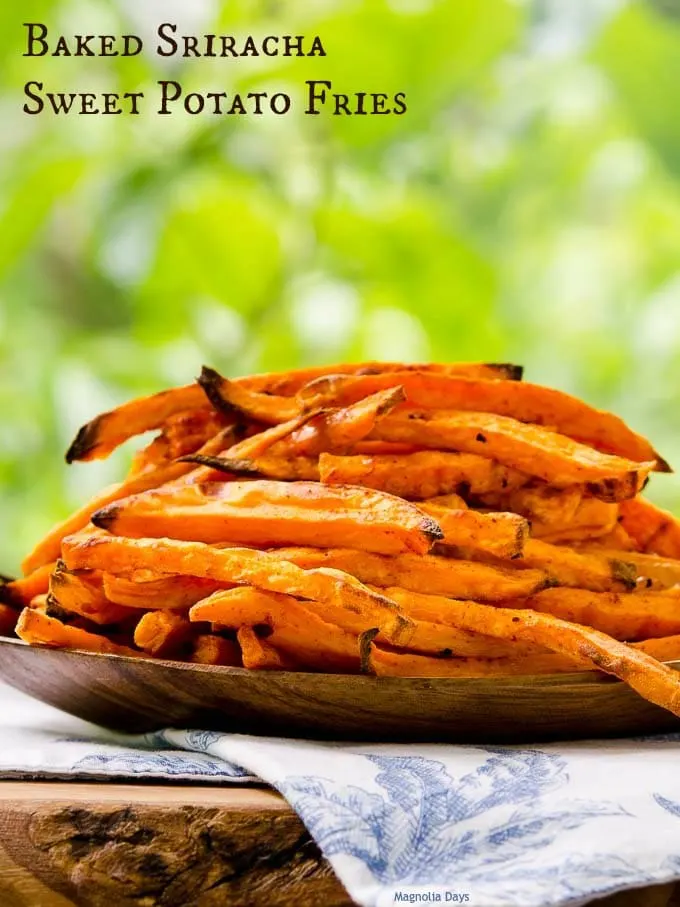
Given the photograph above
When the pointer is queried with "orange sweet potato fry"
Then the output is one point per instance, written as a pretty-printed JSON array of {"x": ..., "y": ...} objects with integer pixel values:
[
  {"x": 527, "y": 448},
  {"x": 49, "y": 548},
  {"x": 104, "y": 433},
  {"x": 639, "y": 670},
  {"x": 425, "y": 573},
  {"x": 235, "y": 399},
  {"x": 160, "y": 592},
  {"x": 287, "y": 383},
  {"x": 19, "y": 592},
  {"x": 655, "y": 531},
  {"x": 623, "y": 615},
  {"x": 163, "y": 633},
  {"x": 596, "y": 571},
  {"x": 591, "y": 519},
  {"x": 420, "y": 475},
  {"x": 242, "y": 566},
  {"x": 183, "y": 434},
  {"x": 649, "y": 570},
  {"x": 501, "y": 534},
  {"x": 259, "y": 654},
  {"x": 37, "y": 628},
  {"x": 663, "y": 648},
  {"x": 288, "y": 469},
  {"x": 265, "y": 513},
  {"x": 82, "y": 593},
  {"x": 8, "y": 620},
  {"x": 296, "y": 629},
  {"x": 539, "y": 502},
  {"x": 530, "y": 403},
  {"x": 209, "y": 649}
]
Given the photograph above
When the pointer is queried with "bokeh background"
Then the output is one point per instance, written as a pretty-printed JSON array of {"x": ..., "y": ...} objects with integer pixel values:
[{"x": 526, "y": 208}]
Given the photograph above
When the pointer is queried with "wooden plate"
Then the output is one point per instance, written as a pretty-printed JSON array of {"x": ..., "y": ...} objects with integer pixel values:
[{"x": 136, "y": 695}]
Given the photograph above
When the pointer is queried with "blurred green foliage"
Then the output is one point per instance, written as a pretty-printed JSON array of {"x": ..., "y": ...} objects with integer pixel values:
[{"x": 527, "y": 208}]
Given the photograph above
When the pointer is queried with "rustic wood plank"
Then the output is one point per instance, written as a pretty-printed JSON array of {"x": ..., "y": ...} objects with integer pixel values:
[
  {"x": 137, "y": 846},
  {"x": 94, "y": 845}
]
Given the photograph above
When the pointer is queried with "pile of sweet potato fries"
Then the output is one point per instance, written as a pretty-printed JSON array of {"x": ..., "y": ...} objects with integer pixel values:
[{"x": 412, "y": 520}]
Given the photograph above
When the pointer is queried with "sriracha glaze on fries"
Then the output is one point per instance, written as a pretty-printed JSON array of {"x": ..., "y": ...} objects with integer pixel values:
[{"x": 384, "y": 518}]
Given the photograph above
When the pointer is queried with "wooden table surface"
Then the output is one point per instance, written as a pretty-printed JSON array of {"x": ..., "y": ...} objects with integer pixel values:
[{"x": 117, "y": 845}]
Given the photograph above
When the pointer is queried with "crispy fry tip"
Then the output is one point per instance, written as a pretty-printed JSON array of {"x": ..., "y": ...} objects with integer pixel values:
[
  {"x": 105, "y": 517},
  {"x": 222, "y": 464},
  {"x": 431, "y": 528},
  {"x": 662, "y": 465},
  {"x": 84, "y": 441},
  {"x": 210, "y": 381},
  {"x": 365, "y": 640},
  {"x": 507, "y": 370}
]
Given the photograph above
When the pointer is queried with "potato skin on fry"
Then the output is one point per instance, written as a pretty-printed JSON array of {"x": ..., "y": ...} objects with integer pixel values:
[{"x": 266, "y": 513}]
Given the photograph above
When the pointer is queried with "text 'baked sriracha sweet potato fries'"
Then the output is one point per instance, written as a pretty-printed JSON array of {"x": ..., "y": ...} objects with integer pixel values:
[{"x": 392, "y": 519}]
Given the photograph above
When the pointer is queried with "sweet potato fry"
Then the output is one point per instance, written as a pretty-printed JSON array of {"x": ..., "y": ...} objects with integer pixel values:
[
  {"x": 340, "y": 429},
  {"x": 288, "y": 469},
  {"x": 246, "y": 450},
  {"x": 529, "y": 403},
  {"x": 622, "y": 615},
  {"x": 82, "y": 593},
  {"x": 259, "y": 654},
  {"x": 296, "y": 629},
  {"x": 49, "y": 548},
  {"x": 287, "y": 383},
  {"x": 502, "y": 534},
  {"x": 654, "y": 530},
  {"x": 598, "y": 572},
  {"x": 617, "y": 538},
  {"x": 8, "y": 620},
  {"x": 160, "y": 593},
  {"x": 663, "y": 648},
  {"x": 96, "y": 439},
  {"x": 233, "y": 399},
  {"x": 449, "y": 501},
  {"x": 426, "y": 573},
  {"x": 163, "y": 633},
  {"x": 37, "y": 628},
  {"x": 242, "y": 566},
  {"x": 592, "y": 518},
  {"x": 538, "y": 502},
  {"x": 651, "y": 572},
  {"x": 421, "y": 475},
  {"x": 19, "y": 592},
  {"x": 209, "y": 649},
  {"x": 527, "y": 448},
  {"x": 184, "y": 433},
  {"x": 265, "y": 513},
  {"x": 639, "y": 670}
]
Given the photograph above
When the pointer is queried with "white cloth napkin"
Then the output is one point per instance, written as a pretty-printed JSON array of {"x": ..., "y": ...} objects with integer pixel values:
[{"x": 493, "y": 826}]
